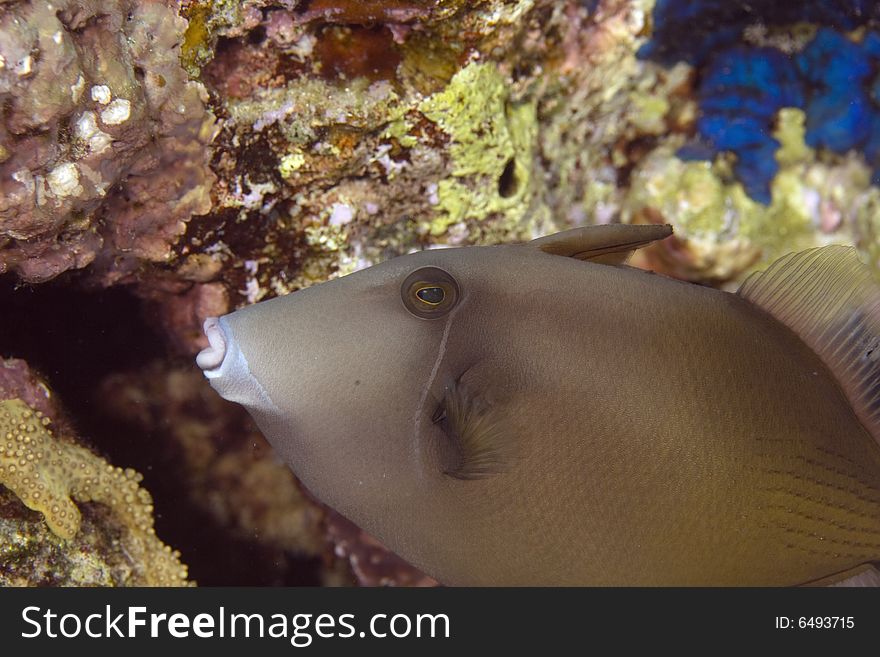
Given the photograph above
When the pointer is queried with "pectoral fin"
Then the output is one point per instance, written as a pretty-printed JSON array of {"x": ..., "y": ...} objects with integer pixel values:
[
  {"x": 476, "y": 429},
  {"x": 610, "y": 244}
]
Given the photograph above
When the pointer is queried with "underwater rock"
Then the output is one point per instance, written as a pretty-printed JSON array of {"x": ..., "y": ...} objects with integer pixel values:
[
  {"x": 479, "y": 123},
  {"x": 491, "y": 147},
  {"x": 103, "y": 141},
  {"x": 18, "y": 381},
  {"x": 105, "y": 538},
  {"x": 343, "y": 144},
  {"x": 342, "y": 141},
  {"x": 600, "y": 109}
]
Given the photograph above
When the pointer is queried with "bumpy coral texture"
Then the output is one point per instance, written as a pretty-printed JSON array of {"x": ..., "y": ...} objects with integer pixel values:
[
  {"x": 47, "y": 474},
  {"x": 103, "y": 139}
]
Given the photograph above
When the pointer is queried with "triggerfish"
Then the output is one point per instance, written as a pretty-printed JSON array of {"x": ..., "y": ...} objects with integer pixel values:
[{"x": 544, "y": 414}]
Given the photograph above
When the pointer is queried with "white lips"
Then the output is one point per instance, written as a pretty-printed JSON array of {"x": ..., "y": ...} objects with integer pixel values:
[
  {"x": 211, "y": 357},
  {"x": 226, "y": 368}
]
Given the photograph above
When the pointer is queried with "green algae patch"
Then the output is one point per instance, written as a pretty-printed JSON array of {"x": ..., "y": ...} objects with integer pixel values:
[
  {"x": 492, "y": 142},
  {"x": 304, "y": 111}
]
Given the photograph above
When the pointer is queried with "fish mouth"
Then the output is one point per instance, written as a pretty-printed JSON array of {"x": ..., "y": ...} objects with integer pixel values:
[
  {"x": 210, "y": 359},
  {"x": 227, "y": 370}
]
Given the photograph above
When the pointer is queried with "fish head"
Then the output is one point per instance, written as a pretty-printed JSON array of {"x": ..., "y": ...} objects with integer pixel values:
[{"x": 345, "y": 378}]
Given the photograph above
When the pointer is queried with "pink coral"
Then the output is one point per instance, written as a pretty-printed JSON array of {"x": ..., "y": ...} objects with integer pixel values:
[{"x": 17, "y": 381}]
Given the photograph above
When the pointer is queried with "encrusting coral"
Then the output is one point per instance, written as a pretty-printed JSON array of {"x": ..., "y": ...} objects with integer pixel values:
[
  {"x": 492, "y": 147},
  {"x": 47, "y": 474},
  {"x": 349, "y": 137},
  {"x": 103, "y": 137}
]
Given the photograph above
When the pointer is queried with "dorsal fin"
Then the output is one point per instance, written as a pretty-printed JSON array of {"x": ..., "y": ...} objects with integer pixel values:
[
  {"x": 609, "y": 244},
  {"x": 832, "y": 301}
]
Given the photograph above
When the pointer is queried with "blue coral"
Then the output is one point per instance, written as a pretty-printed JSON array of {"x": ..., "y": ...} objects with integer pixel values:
[
  {"x": 739, "y": 98},
  {"x": 691, "y": 30},
  {"x": 741, "y": 87},
  {"x": 839, "y": 110}
]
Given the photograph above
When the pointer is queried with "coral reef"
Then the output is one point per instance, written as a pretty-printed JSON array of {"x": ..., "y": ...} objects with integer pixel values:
[
  {"x": 347, "y": 135},
  {"x": 209, "y": 154},
  {"x": 45, "y": 473},
  {"x": 775, "y": 148},
  {"x": 491, "y": 146},
  {"x": 740, "y": 95},
  {"x": 346, "y": 143},
  {"x": 103, "y": 138},
  {"x": 743, "y": 86},
  {"x": 722, "y": 233},
  {"x": 103, "y": 553},
  {"x": 350, "y": 132}
]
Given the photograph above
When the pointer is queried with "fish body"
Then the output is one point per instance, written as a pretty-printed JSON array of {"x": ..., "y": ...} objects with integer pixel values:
[{"x": 559, "y": 418}]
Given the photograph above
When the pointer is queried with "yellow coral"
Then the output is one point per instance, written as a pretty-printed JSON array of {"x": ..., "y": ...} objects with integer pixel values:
[{"x": 45, "y": 473}]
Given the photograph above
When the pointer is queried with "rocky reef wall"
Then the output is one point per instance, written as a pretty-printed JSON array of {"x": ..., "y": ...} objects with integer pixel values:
[{"x": 164, "y": 161}]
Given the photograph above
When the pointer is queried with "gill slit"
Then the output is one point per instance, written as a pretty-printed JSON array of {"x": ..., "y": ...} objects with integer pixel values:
[{"x": 441, "y": 352}]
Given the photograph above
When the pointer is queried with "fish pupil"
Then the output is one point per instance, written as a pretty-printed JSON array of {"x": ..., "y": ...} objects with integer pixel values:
[{"x": 431, "y": 295}]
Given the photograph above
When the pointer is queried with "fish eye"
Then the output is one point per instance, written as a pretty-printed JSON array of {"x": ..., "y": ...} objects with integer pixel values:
[
  {"x": 429, "y": 293},
  {"x": 432, "y": 295}
]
